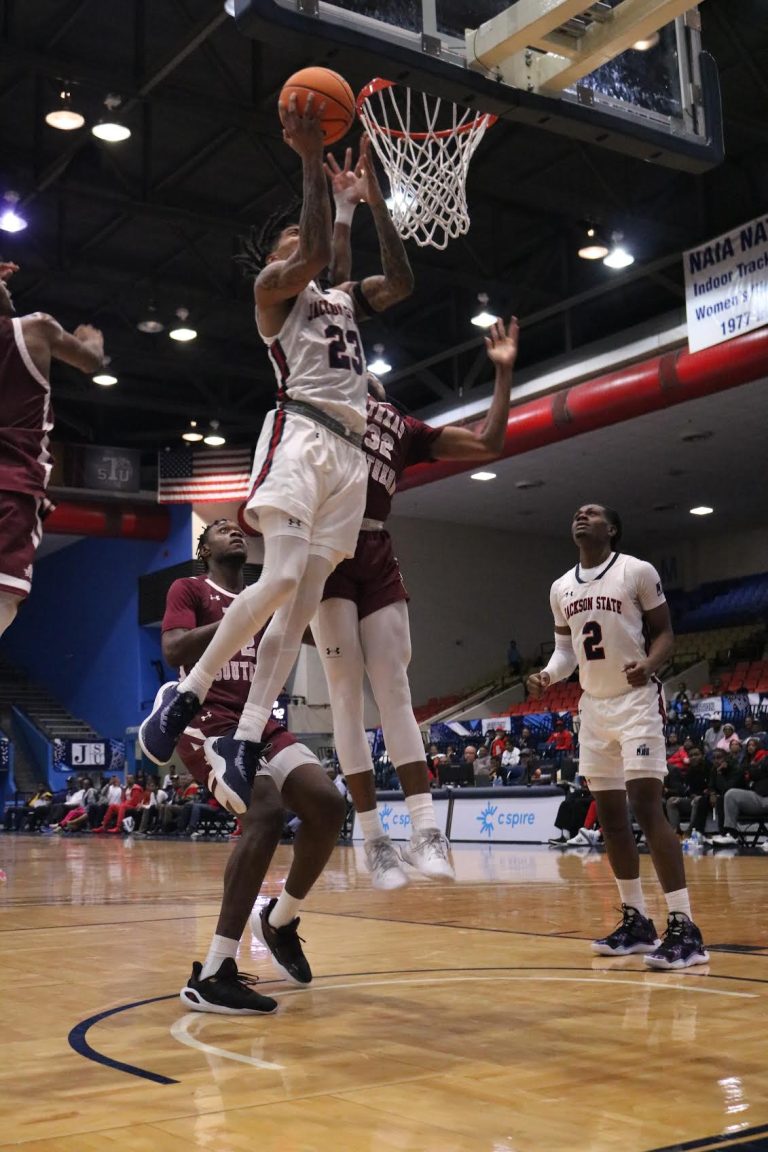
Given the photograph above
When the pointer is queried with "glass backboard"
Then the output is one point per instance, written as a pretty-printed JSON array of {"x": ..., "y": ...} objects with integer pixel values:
[{"x": 661, "y": 104}]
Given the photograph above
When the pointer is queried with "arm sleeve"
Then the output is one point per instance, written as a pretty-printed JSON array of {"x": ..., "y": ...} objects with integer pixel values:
[
  {"x": 421, "y": 437},
  {"x": 563, "y": 660},
  {"x": 181, "y": 606},
  {"x": 650, "y": 593}
]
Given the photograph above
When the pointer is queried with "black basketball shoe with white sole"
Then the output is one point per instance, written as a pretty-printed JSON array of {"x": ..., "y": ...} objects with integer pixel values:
[{"x": 227, "y": 993}]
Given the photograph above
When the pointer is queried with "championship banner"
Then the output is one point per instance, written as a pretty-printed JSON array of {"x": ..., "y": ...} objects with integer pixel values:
[{"x": 726, "y": 285}]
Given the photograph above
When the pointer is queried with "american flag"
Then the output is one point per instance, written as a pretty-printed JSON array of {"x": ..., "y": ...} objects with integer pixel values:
[{"x": 200, "y": 476}]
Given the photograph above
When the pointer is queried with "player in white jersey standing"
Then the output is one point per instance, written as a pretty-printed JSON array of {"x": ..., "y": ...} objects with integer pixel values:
[
  {"x": 612, "y": 621},
  {"x": 309, "y": 474}
]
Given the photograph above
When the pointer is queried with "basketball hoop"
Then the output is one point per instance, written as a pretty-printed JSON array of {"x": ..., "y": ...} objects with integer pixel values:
[{"x": 426, "y": 164}]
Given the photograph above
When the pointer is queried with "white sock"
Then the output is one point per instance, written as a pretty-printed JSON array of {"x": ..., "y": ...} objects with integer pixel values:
[
  {"x": 422, "y": 811},
  {"x": 679, "y": 901},
  {"x": 371, "y": 824},
  {"x": 197, "y": 682},
  {"x": 221, "y": 947},
  {"x": 285, "y": 910},
  {"x": 631, "y": 892},
  {"x": 253, "y": 719}
]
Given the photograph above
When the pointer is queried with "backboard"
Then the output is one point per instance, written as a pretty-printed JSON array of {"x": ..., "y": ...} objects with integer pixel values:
[{"x": 661, "y": 105}]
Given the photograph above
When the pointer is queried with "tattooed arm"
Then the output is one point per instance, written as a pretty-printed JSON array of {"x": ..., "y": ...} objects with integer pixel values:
[
  {"x": 345, "y": 189},
  {"x": 301, "y": 252}
]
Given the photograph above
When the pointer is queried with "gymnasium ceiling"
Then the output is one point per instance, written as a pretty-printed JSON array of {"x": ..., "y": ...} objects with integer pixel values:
[{"x": 155, "y": 219}]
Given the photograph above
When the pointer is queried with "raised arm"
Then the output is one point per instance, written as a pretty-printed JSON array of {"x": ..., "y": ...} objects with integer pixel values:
[
  {"x": 486, "y": 442},
  {"x": 346, "y": 197},
  {"x": 396, "y": 280},
  {"x": 283, "y": 279}
]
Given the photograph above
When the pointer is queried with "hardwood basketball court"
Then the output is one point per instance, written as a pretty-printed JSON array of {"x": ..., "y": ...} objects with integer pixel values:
[{"x": 443, "y": 1018}]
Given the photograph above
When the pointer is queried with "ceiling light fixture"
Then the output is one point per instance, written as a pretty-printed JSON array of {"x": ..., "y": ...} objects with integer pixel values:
[
  {"x": 10, "y": 220},
  {"x": 618, "y": 257},
  {"x": 214, "y": 439},
  {"x": 593, "y": 248},
  {"x": 701, "y": 510},
  {"x": 182, "y": 331},
  {"x": 483, "y": 476},
  {"x": 150, "y": 321},
  {"x": 110, "y": 128},
  {"x": 105, "y": 379},
  {"x": 483, "y": 318},
  {"x": 229, "y": 7},
  {"x": 379, "y": 366},
  {"x": 647, "y": 42},
  {"x": 63, "y": 116},
  {"x": 192, "y": 435}
]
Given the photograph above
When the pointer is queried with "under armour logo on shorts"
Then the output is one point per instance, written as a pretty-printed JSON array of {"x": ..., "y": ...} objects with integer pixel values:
[
  {"x": 333, "y": 651},
  {"x": 293, "y": 523},
  {"x": 643, "y": 750}
]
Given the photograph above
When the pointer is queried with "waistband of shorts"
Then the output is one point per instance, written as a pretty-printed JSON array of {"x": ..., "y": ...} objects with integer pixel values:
[
  {"x": 312, "y": 412},
  {"x": 368, "y": 525}
]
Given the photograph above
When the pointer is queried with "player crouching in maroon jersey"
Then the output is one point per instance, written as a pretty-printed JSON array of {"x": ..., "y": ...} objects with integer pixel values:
[
  {"x": 27, "y": 346},
  {"x": 289, "y": 775}
]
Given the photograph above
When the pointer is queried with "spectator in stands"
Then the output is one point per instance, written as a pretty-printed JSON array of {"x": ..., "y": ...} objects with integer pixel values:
[
  {"x": 681, "y": 788},
  {"x": 526, "y": 740},
  {"x": 73, "y": 805},
  {"x": 751, "y": 755},
  {"x": 749, "y": 727},
  {"x": 147, "y": 815},
  {"x": 470, "y": 755},
  {"x": 724, "y": 742},
  {"x": 560, "y": 741},
  {"x": 30, "y": 815},
  {"x": 680, "y": 700},
  {"x": 686, "y": 719},
  {"x": 111, "y": 793},
  {"x": 498, "y": 743},
  {"x": 132, "y": 796},
  {"x": 723, "y": 776},
  {"x": 173, "y": 812},
  {"x": 76, "y": 819},
  {"x": 572, "y": 813},
  {"x": 680, "y": 756},
  {"x": 482, "y": 767},
  {"x": 514, "y": 660},
  {"x": 512, "y": 770},
  {"x": 712, "y": 735},
  {"x": 748, "y": 802},
  {"x": 530, "y": 765}
]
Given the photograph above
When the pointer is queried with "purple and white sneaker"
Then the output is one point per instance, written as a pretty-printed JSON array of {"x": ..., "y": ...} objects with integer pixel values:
[
  {"x": 170, "y": 715},
  {"x": 682, "y": 946},
  {"x": 635, "y": 934},
  {"x": 233, "y": 763}
]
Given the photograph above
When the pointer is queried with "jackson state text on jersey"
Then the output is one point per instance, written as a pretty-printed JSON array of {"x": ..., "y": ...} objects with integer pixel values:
[
  {"x": 392, "y": 442},
  {"x": 194, "y": 601},
  {"x": 318, "y": 355},
  {"x": 605, "y": 617}
]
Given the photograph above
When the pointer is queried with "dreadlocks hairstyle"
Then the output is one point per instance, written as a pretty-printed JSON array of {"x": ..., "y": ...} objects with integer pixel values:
[
  {"x": 613, "y": 518},
  {"x": 257, "y": 243},
  {"x": 202, "y": 540}
]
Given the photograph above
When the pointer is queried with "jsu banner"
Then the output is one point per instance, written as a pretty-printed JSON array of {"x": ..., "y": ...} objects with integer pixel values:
[
  {"x": 726, "y": 285},
  {"x": 88, "y": 755}
]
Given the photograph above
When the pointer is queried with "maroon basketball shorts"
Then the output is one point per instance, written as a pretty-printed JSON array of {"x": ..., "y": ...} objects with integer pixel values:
[
  {"x": 371, "y": 578},
  {"x": 284, "y": 754},
  {"x": 20, "y": 534}
]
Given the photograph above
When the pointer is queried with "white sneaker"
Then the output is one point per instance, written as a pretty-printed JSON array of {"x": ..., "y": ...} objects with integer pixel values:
[
  {"x": 428, "y": 852},
  {"x": 593, "y": 836},
  {"x": 578, "y": 841},
  {"x": 725, "y": 841},
  {"x": 383, "y": 863},
  {"x": 763, "y": 846}
]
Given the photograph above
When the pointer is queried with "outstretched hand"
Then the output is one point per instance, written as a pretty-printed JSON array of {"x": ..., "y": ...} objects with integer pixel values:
[
  {"x": 501, "y": 343},
  {"x": 537, "y": 683},
  {"x": 303, "y": 131},
  {"x": 7, "y": 270},
  {"x": 346, "y": 185}
]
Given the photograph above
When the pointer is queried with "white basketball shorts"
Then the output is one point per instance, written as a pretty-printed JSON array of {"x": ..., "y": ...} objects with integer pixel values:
[
  {"x": 314, "y": 477},
  {"x": 622, "y": 738}
]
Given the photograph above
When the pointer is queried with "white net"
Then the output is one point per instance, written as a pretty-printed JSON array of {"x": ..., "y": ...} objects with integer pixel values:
[{"x": 425, "y": 145}]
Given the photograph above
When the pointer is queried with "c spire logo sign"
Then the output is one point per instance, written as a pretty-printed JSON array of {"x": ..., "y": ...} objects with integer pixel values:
[
  {"x": 486, "y": 819},
  {"x": 385, "y": 813}
]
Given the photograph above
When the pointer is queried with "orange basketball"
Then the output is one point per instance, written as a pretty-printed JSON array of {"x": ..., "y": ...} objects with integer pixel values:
[{"x": 339, "y": 99}]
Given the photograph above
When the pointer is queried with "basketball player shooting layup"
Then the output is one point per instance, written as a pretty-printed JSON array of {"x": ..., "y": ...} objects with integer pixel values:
[
  {"x": 309, "y": 475},
  {"x": 362, "y": 623},
  {"x": 27, "y": 346},
  {"x": 604, "y": 610}
]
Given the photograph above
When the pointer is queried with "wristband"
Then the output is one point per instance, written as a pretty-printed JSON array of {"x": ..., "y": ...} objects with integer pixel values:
[{"x": 344, "y": 213}]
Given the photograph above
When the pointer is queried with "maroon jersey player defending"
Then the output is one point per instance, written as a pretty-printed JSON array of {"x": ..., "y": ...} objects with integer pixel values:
[
  {"x": 27, "y": 345},
  {"x": 289, "y": 774},
  {"x": 362, "y": 623}
]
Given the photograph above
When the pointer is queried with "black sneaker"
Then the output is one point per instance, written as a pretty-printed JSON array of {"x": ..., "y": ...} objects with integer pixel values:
[
  {"x": 284, "y": 944},
  {"x": 171, "y": 712},
  {"x": 636, "y": 933},
  {"x": 228, "y": 992},
  {"x": 681, "y": 947},
  {"x": 234, "y": 763}
]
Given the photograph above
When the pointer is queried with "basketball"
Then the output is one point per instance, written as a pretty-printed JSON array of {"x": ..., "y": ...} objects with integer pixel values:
[{"x": 339, "y": 99}]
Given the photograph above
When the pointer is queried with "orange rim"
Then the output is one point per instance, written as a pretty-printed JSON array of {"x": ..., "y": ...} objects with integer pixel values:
[{"x": 378, "y": 85}]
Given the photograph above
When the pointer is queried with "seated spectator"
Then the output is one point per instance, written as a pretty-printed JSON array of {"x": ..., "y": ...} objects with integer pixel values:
[
  {"x": 747, "y": 802},
  {"x": 682, "y": 788},
  {"x": 147, "y": 815},
  {"x": 76, "y": 819},
  {"x": 680, "y": 757},
  {"x": 561, "y": 739},
  {"x": 750, "y": 726},
  {"x": 572, "y": 813},
  {"x": 686, "y": 719},
  {"x": 110, "y": 793},
  {"x": 171, "y": 813},
  {"x": 680, "y": 700},
  {"x": 203, "y": 806},
  {"x": 729, "y": 733},
  {"x": 530, "y": 764},
  {"x": 133, "y": 794},
  {"x": 512, "y": 770},
  {"x": 73, "y": 805},
  {"x": 712, "y": 735},
  {"x": 526, "y": 740},
  {"x": 723, "y": 775},
  {"x": 31, "y": 815},
  {"x": 481, "y": 767},
  {"x": 451, "y": 755},
  {"x": 498, "y": 743}
]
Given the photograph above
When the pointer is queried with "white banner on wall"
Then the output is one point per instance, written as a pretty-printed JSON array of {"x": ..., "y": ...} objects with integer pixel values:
[
  {"x": 499, "y": 820},
  {"x": 396, "y": 819},
  {"x": 726, "y": 285}
]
